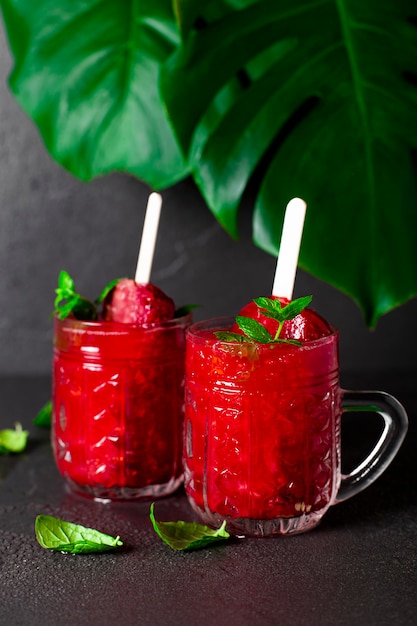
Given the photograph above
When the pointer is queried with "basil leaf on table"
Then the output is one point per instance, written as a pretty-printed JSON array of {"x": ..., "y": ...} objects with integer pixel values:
[
  {"x": 56, "y": 534},
  {"x": 13, "y": 440},
  {"x": 187, "y": 535}
]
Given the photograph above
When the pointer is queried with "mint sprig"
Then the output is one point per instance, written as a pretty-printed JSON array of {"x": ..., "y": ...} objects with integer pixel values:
[
  {"x": 68, "y": 301},
  {"x": 187, "y": 535},
  {"x": 272, "y": 308},
  {"x": 56, "y": 534}
]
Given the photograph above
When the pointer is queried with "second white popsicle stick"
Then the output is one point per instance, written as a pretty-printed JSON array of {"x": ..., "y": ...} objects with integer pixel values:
[
  {"x": 148, "y": 240},
  {"x": 289, "y": 249}
]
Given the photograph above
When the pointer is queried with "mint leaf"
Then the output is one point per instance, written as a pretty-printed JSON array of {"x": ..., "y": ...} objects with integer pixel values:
[
  {"x": 187, "y": 535},
  {"x": 185, "y": 309},
  {"x": 56, "y": 534},
  {"x": 253, "y": 329},
  {"x": 13, "y": 440},
  {"x": 271, "y": 305},
  {"x": 68, "y": 301},
  {"x": 43, "y": 419},
  {"x": 295, "y": 307},
  {"x": 225, "y": 335},
  {"x": 273, "y": 309},
  {"x": 107, "y": 289},
  {"x": 65, "y": 282}
]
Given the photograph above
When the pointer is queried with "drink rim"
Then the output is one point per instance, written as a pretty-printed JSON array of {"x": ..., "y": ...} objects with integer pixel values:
[
  {"x": 104, "y": 326},
  {"x": 225, "y": 322}
]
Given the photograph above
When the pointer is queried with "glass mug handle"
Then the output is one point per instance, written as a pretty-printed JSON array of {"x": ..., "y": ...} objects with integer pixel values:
[{"x": 395, "y": 429}]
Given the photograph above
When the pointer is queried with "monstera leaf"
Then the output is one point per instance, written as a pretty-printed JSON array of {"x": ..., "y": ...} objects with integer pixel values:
[
  {"x": 310, "y": 98},
  {"x": 87, "y": 72}
]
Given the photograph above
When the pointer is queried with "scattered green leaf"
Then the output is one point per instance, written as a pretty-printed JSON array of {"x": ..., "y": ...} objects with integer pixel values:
[
  {"x": 13, "y": 440},
  {"x": 43, "y": 419},
  {"x": 56, "y": 534},
  {"x": 187, "y": 535}
]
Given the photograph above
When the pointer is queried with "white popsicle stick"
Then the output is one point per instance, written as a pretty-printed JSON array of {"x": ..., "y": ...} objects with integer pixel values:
[
  {"x": 289, "y": 249},
  {"x": 149, "y": 234}
]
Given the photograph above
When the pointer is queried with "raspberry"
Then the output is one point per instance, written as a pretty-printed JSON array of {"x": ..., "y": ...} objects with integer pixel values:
[
  {"x": 306, "y": 326},
  {"x": 133, "y": 303}
]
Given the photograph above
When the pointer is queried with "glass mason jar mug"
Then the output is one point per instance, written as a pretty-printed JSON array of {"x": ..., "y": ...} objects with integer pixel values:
[
  {"x": 262, "y": 446},
  {"x": 118, "y": 404}
]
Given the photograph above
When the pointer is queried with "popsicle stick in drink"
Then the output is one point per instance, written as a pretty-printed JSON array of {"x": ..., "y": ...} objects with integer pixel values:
[
  {"x": 289, "y": 249},
  {"x": 138, "y": 301},
  {"x": 308, "y": 324},
  {"x": 118, "y": 387},
  {"x": 262, "y": 407}
]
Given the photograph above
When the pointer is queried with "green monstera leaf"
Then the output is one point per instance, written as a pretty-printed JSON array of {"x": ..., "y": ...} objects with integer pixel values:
[
  {"x": 310, "y": 98},
  {"x": 87, "y": 72}
]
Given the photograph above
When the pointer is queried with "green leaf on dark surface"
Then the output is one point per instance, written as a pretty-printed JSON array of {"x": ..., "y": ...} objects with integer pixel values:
[
  {"x": 43, "y": 419},
  {"x": 13, "y": 440},
  {"x": 330, "y": 117},
  {"x": 187, "y": 535},
  {"x": 57, "y": 534},
  {"x": 87, "y": 73}
]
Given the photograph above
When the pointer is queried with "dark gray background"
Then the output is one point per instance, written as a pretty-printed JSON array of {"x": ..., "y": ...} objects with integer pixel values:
[{"x": 51, "y": 221}]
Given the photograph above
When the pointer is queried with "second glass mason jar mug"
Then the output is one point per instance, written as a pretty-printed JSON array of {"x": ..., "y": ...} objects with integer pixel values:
[{"x": 262, "y": 447}]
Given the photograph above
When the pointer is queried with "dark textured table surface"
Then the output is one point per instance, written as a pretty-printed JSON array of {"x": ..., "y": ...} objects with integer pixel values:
[{"x": 358, "y": 567}]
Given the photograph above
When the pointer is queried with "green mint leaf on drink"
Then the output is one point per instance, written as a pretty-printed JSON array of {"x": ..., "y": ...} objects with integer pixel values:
[
  {"x": 13, "y": 440},
  {"x": 56, "y": 534},
  {"x": 107, "y": 289},
  {"x": 225, "y": 335},
  {"x": 187, "y": 535},
  {"x": 273, "y": 309},
  {"x": 68, "y": 301},
  {"x": 295, "y": 307},
  {"x": 65, "y": 282},
  {"x": 43, "y": 418},
  {"x": 253, "y": 329}
]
